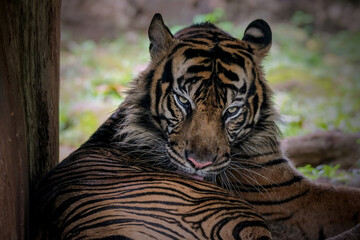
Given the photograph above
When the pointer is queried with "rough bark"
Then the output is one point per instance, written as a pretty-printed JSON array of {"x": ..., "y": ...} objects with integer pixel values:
[
  {"x": 324, "y": 148},
  {"x": 29, "y": 78}
]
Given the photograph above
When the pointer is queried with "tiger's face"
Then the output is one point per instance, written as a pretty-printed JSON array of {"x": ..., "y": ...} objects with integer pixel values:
[
  {"x": 205, "y": 92},
  {"x": 205, "y": 107}
]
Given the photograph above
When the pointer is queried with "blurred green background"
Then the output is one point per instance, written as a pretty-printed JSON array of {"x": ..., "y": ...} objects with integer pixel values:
[{"x": 314, "y": 73}]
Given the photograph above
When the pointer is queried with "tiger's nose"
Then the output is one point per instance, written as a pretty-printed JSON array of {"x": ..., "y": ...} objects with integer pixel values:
[{"x": 199, "y": 165}]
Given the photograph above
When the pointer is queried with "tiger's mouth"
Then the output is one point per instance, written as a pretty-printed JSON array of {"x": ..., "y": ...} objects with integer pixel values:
[
  {"x": 202, "y": 172},
  {"x": 181, "y": 168}
]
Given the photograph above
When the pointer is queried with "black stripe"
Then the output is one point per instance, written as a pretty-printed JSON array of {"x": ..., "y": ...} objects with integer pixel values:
[
  {"x": 242, "y": 90},
  {"x": 228, "y": 74},
  {"x": 196, "y": 41},
  {"x": 247, "y": 55},
  {"x": 193, "y": 80},
  {"x": 274, "y": 162},
  {"x": 177, "y": 48},
  {"x": 252, "y": 87},
  {"x": 192, "y": 53},
  {"x": 241, "y": 226},
  {"x": 199, "y": 68},
  {"x": 237, "y": 47},
  {"x": 279, "y": 201},
  {"x": 158, "y": 94},
  {"x": 249, "y": 157},
  {"x": 255, "y": 103},
  {"x": 167, "y": 75},
  {"x": 219, "y": 53},
  {"x": 267, "y": 164},
  {"x": 263, "y": 238},
  {"x": 257, "y": 188},
  {"x": 145, "y": 102},
  {"x": 174, "y": 119}
]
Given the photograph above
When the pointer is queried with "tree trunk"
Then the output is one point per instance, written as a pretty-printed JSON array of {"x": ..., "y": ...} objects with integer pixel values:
[{"x": 29, "y": 93}]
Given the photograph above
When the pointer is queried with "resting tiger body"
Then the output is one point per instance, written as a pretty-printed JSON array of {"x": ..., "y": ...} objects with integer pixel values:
[
  {"x": 203, "y": 108},
  {"x": 97, "y": 193}
]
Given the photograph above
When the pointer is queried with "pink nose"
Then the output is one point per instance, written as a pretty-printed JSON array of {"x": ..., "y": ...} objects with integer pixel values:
[{"x": 199, "y": 165}]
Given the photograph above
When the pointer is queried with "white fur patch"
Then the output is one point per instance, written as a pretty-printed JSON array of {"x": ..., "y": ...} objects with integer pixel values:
[{"x": 255, "y": 32}]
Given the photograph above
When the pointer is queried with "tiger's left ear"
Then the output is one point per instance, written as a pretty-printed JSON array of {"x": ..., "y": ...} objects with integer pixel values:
[
  {"x": 258, "y": 35},
  {"x": 159, "y": 35}
]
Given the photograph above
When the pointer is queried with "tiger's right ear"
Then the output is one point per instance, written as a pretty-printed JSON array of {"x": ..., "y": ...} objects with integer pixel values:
[
  {"x": 159, "y": 35},
  {"x": 258, "y": 35}
]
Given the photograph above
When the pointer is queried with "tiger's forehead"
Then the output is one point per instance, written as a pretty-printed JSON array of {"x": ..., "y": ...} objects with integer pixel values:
[{"x": 211, "y": 65}]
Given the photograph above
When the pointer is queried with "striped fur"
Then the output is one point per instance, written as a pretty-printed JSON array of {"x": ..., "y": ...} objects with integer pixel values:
[{"x": 96, "y": 193}]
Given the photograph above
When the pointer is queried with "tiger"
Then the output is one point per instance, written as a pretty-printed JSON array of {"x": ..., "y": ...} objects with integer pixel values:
[
  {"x": 98, "y": 193},
  {"x": 203, "y": 108},
  {"x": 201, "y": 111}
]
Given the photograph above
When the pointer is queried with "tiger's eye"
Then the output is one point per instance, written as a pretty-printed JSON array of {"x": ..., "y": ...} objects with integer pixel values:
[
  {"x": 232, "y": 110},
  {"x": 183, "y": 100}
]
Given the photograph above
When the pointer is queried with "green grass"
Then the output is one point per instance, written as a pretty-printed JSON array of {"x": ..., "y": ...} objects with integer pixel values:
[
  {"x": 331, "y": 173},
  {"x": 326, "y": 171},
  {"x": 94, "y": 77},
  {"x": 318, "y": 73}
]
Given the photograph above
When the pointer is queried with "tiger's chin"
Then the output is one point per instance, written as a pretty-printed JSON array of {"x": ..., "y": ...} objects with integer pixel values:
[
  {"x": 194, "y": 175},
  {"x": 189, "y": 172}
]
